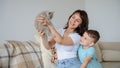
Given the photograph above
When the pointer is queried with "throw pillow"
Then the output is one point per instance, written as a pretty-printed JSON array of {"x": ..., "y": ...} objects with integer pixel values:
[{"x": 47, "y": 55}]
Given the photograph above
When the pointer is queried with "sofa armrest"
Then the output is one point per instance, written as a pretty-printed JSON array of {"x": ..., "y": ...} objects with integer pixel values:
[
  {"x": 17, "y": 54},
  {"x": 98, "y": 52}
]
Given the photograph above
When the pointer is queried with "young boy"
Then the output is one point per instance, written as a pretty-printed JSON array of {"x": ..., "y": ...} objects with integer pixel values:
[{"x": 86, "y": 51}]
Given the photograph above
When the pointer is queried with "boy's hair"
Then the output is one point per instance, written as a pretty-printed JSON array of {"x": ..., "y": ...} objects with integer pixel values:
[{"x": 93, "y": 34}]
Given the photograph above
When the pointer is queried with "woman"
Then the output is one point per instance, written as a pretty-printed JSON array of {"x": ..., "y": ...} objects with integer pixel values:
[{"x": 66, "y": 40}]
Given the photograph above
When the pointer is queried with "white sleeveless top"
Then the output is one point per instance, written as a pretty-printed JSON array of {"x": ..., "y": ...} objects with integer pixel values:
[{"x": 69, "y": 51}]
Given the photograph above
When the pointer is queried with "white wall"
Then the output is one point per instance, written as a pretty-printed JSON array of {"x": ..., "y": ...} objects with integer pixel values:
[
  {"x": 17, "y": 16},
  {"x": 104, "y": 16}
]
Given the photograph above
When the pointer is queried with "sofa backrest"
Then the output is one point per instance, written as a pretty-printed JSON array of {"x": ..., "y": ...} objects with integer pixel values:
[
  {"x": 108, "y": 51},
  {"x": 110, "y": 45}
]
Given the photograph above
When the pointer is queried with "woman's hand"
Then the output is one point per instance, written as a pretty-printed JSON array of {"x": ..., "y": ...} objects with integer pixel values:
[
  {"x": 41, "y": 33},
  {"x": 43, "y": 20},
  {"x": 44, "y": 40}
]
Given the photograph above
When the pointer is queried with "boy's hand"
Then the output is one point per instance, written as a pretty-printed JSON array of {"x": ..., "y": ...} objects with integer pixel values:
[{"x": 82, "y": 66}]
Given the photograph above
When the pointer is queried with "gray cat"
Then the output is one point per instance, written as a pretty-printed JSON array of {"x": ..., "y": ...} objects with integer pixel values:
[{"x": 38, "y": 25}]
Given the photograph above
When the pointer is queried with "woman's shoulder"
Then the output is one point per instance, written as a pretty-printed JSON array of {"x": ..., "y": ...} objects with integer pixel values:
[{"x": 75, "y": 34}]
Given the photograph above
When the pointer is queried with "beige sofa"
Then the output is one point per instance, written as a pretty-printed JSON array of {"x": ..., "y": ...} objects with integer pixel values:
[
  {"x": 27, "y": 54},
  {"x": 20, "y": 54},
  {"x": 108, "y": 53}
]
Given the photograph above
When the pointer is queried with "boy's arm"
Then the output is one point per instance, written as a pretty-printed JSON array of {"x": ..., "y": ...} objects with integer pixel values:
[{"x": 85, "y": 62}]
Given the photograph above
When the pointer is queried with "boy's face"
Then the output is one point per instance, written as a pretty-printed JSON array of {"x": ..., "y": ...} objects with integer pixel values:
[{"x": 86, "y": 40}]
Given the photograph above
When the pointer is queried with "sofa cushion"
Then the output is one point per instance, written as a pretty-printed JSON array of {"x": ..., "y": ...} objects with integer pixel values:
[
  {"x": 18, "y": 54},
  {"x": 111, "y": 55},
  {"x": 111, "y": 64}
]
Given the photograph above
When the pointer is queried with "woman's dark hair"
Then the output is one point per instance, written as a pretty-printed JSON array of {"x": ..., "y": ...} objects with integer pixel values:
[{"x": 84, "y": 25}]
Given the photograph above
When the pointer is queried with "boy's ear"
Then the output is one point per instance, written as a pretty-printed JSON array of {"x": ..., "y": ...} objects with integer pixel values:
[{"x": 92, "y": 43}]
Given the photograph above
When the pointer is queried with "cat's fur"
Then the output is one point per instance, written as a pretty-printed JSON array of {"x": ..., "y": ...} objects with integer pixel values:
[{"x": 38, "y": 25}]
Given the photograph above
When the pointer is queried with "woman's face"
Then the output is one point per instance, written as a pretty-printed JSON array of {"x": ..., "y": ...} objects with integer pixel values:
[{"x": 75, "y": 21}]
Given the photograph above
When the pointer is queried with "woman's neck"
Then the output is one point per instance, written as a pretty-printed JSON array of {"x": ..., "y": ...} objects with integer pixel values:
[{"x": 67, "y": 32}]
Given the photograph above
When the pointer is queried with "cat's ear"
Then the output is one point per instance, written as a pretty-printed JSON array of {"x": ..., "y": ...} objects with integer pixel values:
[{"x": 51, "y": 14}]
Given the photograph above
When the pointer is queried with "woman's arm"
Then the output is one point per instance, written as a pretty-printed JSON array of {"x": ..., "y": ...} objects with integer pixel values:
[
  {"x": 49, "y": 44},
  {"x": 85, "y": 62},
  {"x": 60, "y": 39}
]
